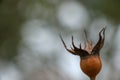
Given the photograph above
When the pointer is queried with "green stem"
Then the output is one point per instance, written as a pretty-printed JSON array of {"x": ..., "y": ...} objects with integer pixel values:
[{"x": 92, "y": 78}]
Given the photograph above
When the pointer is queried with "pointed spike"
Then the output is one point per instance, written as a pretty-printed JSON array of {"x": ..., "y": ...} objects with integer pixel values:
[
  {"x": 102, "y": 31},
  {"x": 80, "y": 46},
  {"x": 73, "y": 43},
  {"x": 100, "y": 42},
  {"x": 63, "y": 42},
  {"x": 86, "y": 38},
  {"x": 102, "y": 35},
  {"x": 71, "y": 51}
]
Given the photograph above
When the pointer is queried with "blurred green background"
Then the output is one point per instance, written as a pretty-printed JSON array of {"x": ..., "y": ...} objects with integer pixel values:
[{"x": 30, "y": 47}]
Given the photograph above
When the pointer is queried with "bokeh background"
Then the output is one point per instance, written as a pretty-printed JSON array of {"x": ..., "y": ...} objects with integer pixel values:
[{"x": 30, "y": 47}]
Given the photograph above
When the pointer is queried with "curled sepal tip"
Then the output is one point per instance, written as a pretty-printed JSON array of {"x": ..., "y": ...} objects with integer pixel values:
[
  {"x": 89, "y": 49},
  {"x": 100, "y": 42}
]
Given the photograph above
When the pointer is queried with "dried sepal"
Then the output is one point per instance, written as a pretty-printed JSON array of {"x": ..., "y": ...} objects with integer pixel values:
[
  {"x": 69, "y": 50},
  {"x": 100, "y": 42},
  {"x": 74, "y": 50},
  {"x": 89, "y": 49}
]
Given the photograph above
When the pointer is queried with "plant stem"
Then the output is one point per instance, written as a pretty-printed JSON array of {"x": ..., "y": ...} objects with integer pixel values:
[{"x": 92, "y": 78}]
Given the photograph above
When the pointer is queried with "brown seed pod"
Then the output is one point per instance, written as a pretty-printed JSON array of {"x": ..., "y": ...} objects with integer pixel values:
[{"x": 90, "y": 62}]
